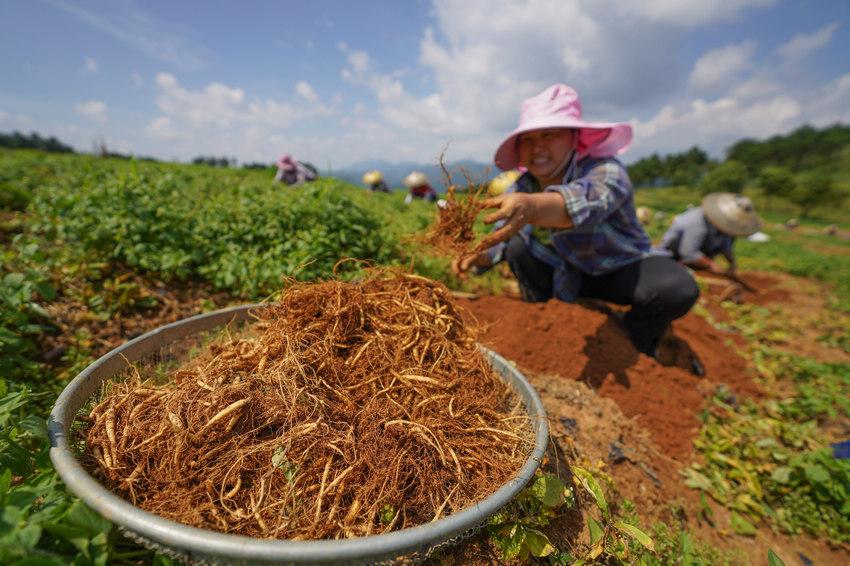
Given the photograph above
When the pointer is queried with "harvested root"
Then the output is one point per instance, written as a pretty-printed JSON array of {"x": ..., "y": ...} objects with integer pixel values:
[
  {"x": 346, "y": 409},
  {"x": 452, "y": 233}
]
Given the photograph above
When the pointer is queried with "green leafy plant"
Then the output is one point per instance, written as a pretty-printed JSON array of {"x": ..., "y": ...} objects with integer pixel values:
[
  {"x": 730, "y": 177},
  {"x": 388, "y": 513},
  {"x": 764, "y": 465},
  {"x": 676, "y": 545},
  {"x": 815, "y": 189},
  {"x": 22, "y": 316},
  {"x": 39, "y": 519},
  {"x": 610, "y": 537},
  {"x": 516, "y": 529},
  {"x": 241, "y": 234}
]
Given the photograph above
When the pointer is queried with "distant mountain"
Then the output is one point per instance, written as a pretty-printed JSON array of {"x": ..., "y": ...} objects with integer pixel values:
[{"x": 394, "y": 173}]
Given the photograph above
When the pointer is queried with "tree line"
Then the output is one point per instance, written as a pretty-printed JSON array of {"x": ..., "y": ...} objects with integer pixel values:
[
  {"x": 17, "y": 140},
  {"x": 791, "y": 166},
  {"x": 803, "y": 149}
]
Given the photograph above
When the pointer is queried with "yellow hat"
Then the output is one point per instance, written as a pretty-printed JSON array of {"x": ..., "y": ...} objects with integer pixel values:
[
  {"x": 644, "y": 214},
  {"x": 372, "y": 177},
  {"x": 501, "y": 182}
]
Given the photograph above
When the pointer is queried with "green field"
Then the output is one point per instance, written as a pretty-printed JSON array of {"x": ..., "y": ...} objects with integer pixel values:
[{"x": 103, "y": 235}]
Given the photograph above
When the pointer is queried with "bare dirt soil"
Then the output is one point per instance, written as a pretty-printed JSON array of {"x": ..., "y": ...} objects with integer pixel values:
[
  {"x": 609, "y": 407},
  {"x": 635, "y": 417}
]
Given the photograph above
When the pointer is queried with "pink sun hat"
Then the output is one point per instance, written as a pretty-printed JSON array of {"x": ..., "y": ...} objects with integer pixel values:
[
  {"x": 559, "y": 107},
  {"x": 285, "y": 162}
]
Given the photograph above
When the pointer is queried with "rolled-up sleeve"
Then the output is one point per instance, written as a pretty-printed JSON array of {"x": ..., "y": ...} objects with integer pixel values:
[{"x": 596, "y": 194}]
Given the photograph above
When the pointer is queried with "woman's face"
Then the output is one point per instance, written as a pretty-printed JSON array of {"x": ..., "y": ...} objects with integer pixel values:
[{"x": 545, "y": 153}]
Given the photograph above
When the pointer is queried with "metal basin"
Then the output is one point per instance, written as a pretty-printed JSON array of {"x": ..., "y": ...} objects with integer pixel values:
[{"x": 192, "y": 545}]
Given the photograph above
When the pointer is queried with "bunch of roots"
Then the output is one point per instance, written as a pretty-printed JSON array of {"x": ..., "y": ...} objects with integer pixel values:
[
  {"x": 452, "y": 233},
  {"x": 346, "y": 409}
]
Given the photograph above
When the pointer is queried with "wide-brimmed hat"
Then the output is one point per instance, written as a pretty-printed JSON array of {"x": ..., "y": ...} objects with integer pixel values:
[
  {"x": 559, "y": 107},
  {"x": 731, "y": 213},
  {"x": 285, "y": 162},
  {"x": 415, "y": 179},
  {"x": 372, "y": 177}
]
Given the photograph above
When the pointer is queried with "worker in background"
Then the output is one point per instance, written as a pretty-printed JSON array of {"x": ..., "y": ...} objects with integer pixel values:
[
  {"x": 292, "y": 172},
  {"x": 375, "y": 181},
  {"x": 418, "y": 186},
  {"x": 703, "y": 232}
]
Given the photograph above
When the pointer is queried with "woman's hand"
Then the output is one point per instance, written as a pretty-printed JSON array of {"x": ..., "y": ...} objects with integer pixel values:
[
  {"x": 519, "y": 209},
  {"x": 516, "y": 210},
  {"x": 460, "y": 265}
]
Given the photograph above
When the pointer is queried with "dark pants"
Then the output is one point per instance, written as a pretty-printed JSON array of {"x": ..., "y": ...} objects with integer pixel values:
[{"x": 658, "y": 289}]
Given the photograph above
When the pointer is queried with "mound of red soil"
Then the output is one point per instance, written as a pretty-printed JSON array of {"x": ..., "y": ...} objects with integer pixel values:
[
  {"x": 586, "y": 342},
  {"x": 635, "y": 417}
]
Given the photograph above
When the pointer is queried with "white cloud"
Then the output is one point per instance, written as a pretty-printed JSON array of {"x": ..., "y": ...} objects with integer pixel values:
[
  {"x": 713, "y": 126},
  {"x": 830, "y": 102},
  {"x": 719, "y": 67},
  {"x": 222, "y": 120},
  {"x": 94, "y": 110},
  {"x": 221, "y": 106},
  {"x": 359, "y": 62},
  {"x": 482, "y": 69},
  {"x": 166, "y": 80},
  {"x": 216, "y": 104},
  {"x": 477, "y": 71},
  {"x": 756, "y": 86},
  {"x": 802, "y": 45},
  {"x": 91, "y": 66},
  {"x": 160, "y": 128},
  {"x": 305, "y": 91}
]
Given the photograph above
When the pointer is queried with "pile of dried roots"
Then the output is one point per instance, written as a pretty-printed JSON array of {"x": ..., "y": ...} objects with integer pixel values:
[{"x": 349, "y": 409}]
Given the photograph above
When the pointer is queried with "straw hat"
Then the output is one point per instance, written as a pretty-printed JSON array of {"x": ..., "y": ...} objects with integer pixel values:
[
  {"x": 559, "y": 107},
  {"x": 731, "y": 213},
  {"x": 372, "y": 177},
  {"x": 644, "y": 214},
  {"x": 502, "y": 181},
  {"x": 415, "y": 179}
]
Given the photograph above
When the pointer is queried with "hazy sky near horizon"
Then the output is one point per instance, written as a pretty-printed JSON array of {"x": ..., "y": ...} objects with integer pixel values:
[{"x": 335, "y": 81}]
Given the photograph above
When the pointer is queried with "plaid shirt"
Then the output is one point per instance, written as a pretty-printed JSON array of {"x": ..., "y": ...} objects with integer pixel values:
[{"x": 606, "y": 234}]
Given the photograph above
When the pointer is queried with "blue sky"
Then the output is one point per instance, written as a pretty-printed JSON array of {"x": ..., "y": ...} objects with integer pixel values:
[{"x": 338, "y": 81}]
